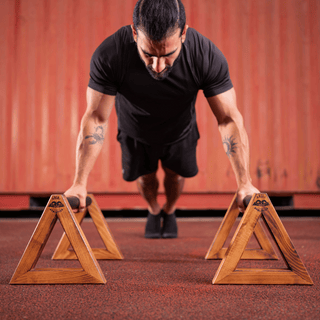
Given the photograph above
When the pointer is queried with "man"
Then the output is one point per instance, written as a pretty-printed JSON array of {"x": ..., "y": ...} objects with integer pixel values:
[{"x": 153, "y": 71}]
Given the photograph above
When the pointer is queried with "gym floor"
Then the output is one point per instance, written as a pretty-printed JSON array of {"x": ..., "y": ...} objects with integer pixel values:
[{"x": 159, "y": 278}]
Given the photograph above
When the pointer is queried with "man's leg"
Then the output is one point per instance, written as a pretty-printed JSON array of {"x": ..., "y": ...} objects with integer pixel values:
[
  {"x": 148, "y": 187},
  {"x": 173, "y": 185}
]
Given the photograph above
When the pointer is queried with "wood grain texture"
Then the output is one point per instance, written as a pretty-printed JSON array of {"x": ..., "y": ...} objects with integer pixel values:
[
  {"x": 267, "y": 250},
  {"x": 261, "y": 276},
  {"x": 296, "y": 273},
  {"x": 57, "y": 276},
  {"x": 216, "y": 251},
  {"x": 238, "y": 244},
  {"x": 111, "y": 250},
  {"x": 284, "y": 243},
  {"x": 25, "y": 273}
]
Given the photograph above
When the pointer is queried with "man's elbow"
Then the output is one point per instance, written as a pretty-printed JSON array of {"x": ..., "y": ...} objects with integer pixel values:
[
  {"x": 236, "y": 119},
  {"x": 93, "y": 118},
  {"x": 99, "y": 118}
]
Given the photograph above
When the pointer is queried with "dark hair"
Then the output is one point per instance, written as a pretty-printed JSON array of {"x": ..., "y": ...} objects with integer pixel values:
[{"x": 159, "y": 19}]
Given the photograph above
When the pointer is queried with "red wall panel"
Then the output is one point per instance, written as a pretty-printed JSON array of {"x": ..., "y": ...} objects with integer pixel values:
[{"x": 272, "y": 47}]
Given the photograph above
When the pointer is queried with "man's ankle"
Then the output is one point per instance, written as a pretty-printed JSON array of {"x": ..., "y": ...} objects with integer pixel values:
[
  {"x": 154, "y": 211},
  {"x": 168, "y": 210}
]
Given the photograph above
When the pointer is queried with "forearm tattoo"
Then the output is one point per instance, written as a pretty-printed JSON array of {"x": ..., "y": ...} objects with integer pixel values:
[
  {"x": 97, "y": 136},
  {"x": 230, "y": 144}
]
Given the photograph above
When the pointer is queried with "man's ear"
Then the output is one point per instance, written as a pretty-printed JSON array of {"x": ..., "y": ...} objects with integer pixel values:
[
  {"x": 134, "y": 33},
  {"x": 184, "y": 33}
]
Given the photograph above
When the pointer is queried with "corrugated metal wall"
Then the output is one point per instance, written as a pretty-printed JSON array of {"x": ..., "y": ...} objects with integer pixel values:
[{"x": 273, "y": 51}]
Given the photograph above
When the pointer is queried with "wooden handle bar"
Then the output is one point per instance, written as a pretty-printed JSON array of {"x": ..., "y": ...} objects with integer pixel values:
[
  {"x": 247, "y": 200},
  {"x": 75, "y": 202}
]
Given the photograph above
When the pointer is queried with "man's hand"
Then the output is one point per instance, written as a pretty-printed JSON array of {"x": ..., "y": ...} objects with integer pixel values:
[
  {"x": 79, "y": 192},
  {"x": 243, "y": 192}
]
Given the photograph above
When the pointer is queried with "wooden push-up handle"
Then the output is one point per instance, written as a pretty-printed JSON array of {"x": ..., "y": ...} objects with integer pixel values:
[
  {"x": 260, "y": 206},
  {"x": 75, "y": 202},
  {"x": 111, "y": 250},
  {"x": 217, "y": 251},
  {"x": 58, "y": 207}
]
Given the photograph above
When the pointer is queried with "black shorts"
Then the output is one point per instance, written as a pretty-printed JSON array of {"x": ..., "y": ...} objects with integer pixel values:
[{"x": 139, "y": 159}]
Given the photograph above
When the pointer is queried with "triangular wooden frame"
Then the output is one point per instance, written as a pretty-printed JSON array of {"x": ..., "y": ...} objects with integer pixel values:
[
  {"x": 295, "y": 273},
  {"x": 111, "y": 251},
  {"x": 216, "y": 250},
  {"x": 58, "y": 208}
]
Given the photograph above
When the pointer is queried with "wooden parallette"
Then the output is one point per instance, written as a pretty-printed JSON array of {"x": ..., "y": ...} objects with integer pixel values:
[
  {"x": 58, "y": 208},
  {"x": 110, "y": 252},
  {"x": 216, "y": 251},
  {"x": 260, "y": 206}
]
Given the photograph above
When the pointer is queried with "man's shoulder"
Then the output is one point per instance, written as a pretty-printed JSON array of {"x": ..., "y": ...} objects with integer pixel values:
[
  {"x": 208, "y": 63},
  {"x": 195, "y": 40},
  {"x": 124, "y": 34},
  {"x": 116, "y": 44},
  {"x": 193, "y": 33},
  {"x": 109, "y": 61}
]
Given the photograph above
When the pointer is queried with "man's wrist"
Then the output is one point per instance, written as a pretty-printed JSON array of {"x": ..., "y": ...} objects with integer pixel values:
[
  {"x": 244, "y": 182},
  {"x": 79, "y": 183}
]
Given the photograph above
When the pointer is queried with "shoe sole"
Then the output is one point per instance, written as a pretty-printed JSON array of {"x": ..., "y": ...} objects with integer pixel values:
[
  {"x": 169, "y": 236},
  {"x": 152, "y": 236}
]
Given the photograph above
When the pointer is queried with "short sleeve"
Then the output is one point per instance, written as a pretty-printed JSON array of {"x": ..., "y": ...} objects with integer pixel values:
[
  {"x": 103, "y": 66},
  {"x": 216, "y": 78}
]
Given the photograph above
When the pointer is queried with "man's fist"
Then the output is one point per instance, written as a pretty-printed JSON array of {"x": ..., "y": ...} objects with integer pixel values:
[
  {"x": 245, "y": 191},
  {"x": 79, "y": 192}
]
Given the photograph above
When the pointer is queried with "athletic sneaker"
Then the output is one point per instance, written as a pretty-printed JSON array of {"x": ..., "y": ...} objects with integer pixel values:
[
  {"x": 169, "y": 228},
  {"x": 153, "y": 226}
]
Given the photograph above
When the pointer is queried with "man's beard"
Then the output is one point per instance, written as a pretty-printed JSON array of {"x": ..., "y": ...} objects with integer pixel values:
[{"x": 161, "y": 75}]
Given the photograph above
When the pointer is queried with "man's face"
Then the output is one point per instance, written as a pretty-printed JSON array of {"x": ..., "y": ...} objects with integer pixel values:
[{"x": 159, "y": 56}]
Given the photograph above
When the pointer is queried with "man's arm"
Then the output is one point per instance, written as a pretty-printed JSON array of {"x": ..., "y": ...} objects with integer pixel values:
[
  {"x": 235, "y": 141},
  {"x": 91, "y": 137}
]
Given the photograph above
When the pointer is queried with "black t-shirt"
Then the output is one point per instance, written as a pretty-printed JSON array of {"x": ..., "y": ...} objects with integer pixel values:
[{"x": 153, "y": 111}]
